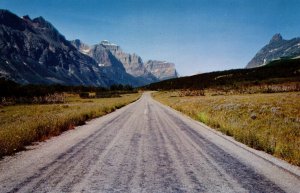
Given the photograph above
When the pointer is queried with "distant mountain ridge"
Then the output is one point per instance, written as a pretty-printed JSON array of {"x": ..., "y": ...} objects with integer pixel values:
[
  {"x": 33, "y": 51},
  {"x": 276, "y": 49},
  {"x": 132, "y": 63},
  {"x": 283, "y": 71},
  {"x": 161, "y": 69}
]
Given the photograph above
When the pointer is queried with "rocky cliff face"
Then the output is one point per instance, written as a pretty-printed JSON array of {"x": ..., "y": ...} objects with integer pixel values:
[
  {"x": 132, "y": 63},
  {"x": 108, "y": 62},
  {"x": 276, "y": 49},
  {"x": 109, "y": 54},
  {"x": 82, "y": 47},
  {"x": 162, "y": 70}
]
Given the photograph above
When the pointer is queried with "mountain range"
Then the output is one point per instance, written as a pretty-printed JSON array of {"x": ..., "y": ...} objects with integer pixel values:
[
  {"x": 33, "y": 51},
  {"x": 276, "y": 49}
]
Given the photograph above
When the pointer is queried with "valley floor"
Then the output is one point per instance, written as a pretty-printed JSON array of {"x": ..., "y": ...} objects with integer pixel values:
[{"x": 145, "y": 147}]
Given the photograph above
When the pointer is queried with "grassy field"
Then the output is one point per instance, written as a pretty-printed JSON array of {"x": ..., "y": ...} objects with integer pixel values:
[
  {"x": 268, "y": 122},
  {"x": 20, "y": 125}
]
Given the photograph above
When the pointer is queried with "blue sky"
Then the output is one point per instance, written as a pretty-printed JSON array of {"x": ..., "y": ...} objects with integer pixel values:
[{"x": 197, "y": 35}]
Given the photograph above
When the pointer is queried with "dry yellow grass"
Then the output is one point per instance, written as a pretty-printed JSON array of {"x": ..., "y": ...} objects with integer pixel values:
[
  {"x": 268, "y": 122},
  {"x": 20, "y": 125}
]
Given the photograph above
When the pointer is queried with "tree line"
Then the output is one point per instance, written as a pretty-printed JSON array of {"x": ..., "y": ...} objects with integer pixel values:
[{"x": 279, "y": 71}]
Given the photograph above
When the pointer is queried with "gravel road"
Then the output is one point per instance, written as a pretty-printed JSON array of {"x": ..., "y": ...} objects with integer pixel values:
[{"x": 145, "y": 147}]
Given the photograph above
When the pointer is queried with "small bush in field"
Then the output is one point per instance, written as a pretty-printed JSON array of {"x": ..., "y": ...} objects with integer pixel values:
[
  {"x": 84, "y": 95},
  {"x": 203, "y": 117},
  {"x": 183, "y": 93}
]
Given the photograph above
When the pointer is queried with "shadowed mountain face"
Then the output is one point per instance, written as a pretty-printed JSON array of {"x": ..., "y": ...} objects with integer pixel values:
[
  {"x": 33, "y": 51},
  {"x": 276, "y": 49}
]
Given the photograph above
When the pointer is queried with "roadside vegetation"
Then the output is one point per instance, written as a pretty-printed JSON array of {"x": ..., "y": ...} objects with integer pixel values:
[
  {"x": 259, "y": 107},
  {"x": 47, "y": 111},
  {"x": 264, "y": 121},
  {"x": 13, "y": 93}
]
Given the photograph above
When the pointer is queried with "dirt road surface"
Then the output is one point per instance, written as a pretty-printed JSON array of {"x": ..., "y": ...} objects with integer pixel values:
[{"x": 145, "y": 147}]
